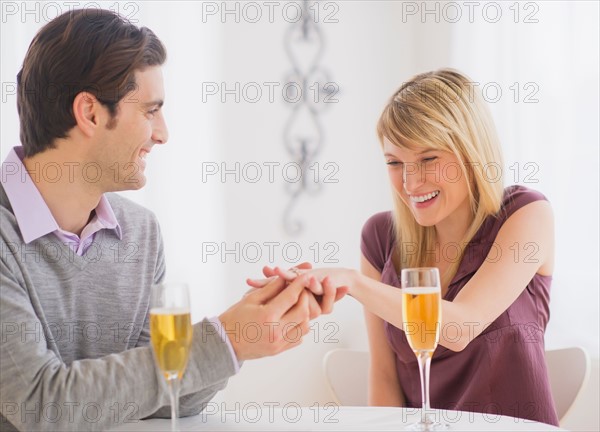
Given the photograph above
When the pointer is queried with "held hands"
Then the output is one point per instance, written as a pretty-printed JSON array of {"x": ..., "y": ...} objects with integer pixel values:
[
  {"x": 333, "y": 283},
  {"x": 274, "y": 315}
]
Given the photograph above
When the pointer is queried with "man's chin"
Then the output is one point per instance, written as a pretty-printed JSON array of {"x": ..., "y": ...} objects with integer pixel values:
[
  {"x": 130, "y": 185},
  {"x": 137, "y": 183}
]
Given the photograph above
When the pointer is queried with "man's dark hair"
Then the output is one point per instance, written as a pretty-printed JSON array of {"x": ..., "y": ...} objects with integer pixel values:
[{"x": 92, "y": 50}]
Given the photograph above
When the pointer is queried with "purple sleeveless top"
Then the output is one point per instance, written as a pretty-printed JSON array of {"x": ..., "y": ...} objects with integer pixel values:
[{"x": 501, "y": 371}]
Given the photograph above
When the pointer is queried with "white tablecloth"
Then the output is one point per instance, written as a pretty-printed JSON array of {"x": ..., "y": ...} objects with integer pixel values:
[{"x": 276, "y": 417}]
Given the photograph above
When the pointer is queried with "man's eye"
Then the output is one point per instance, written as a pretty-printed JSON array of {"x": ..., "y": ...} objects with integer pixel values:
[{"x": 394, "y": 163}]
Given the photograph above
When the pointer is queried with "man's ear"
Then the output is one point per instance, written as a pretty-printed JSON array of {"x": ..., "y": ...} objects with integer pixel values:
[{"x": 87, "y": 112}]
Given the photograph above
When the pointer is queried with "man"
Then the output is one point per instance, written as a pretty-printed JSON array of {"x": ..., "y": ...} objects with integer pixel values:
[{"x": 77, "y": 262}]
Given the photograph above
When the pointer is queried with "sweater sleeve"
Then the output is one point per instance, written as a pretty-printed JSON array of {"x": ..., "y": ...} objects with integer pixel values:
[
  {"x": 193, "y": 403},
  {"x": 41, "y": 392}
]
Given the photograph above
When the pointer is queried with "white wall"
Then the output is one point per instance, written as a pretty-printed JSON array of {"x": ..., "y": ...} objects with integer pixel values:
[
  {"x": 360, "y": 62},
  {"x": 556, "y": 134},
  {"x": 371, "y": 50}
]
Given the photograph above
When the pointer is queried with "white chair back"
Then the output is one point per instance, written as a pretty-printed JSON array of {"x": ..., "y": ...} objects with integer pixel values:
[
  {"x": 568, "y": 371},
  {"x": 346, "y": 372}
]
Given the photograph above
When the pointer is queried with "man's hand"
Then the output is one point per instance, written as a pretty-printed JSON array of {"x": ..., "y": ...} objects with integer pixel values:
[
  {"x": 272, "y": 319},
  {"x": 334, "y": 283}
]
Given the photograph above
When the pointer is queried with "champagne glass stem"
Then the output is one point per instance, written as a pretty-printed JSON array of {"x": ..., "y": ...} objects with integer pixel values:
[
  {"x": 173, "y": 383},
  {"x": 424, "y": 359}
]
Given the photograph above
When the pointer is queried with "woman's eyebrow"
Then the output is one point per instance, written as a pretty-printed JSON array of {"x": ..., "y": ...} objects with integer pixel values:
[{"x": 420, "y": 153}]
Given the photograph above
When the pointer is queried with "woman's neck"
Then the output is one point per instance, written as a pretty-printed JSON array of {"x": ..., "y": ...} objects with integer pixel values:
[{"x": 454, "y": 227}]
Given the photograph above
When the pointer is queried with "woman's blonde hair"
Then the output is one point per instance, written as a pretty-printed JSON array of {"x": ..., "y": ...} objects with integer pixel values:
[{"x": 443, "y": 110}]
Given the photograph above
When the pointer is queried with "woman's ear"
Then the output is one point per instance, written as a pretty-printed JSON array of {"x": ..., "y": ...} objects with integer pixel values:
[{"x": 86, "y": 110}]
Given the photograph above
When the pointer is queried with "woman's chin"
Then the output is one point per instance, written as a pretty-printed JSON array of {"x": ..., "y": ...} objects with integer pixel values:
[{"x": 424, "y": 221}]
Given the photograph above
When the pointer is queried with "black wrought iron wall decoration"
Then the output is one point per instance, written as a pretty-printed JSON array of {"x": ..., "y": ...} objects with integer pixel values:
[{"x": 309, "y": 91}]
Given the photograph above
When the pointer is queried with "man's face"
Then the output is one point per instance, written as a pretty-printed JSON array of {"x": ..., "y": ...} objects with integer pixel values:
[{"x": 122, "y": 150}]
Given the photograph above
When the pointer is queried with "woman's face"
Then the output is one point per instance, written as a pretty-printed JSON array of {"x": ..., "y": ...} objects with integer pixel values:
[{"x": 430, "y": 182}]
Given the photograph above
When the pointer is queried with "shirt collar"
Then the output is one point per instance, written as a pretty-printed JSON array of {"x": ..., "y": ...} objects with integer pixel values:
[
  {"x": 31, "y": 211},
  {"x": 107, "y": 217}
]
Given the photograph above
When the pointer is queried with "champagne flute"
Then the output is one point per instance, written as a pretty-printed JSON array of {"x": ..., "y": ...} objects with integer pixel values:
[
  {"x": 421, "y": 317},
  {"x": 171, "y": 336}
]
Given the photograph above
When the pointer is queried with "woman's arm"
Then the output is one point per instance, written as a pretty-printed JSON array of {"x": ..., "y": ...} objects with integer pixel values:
[
  {"x": 384, "y": 387},
  {"x": 495, "y": 286},
  {"x": 523, "y": 247}
]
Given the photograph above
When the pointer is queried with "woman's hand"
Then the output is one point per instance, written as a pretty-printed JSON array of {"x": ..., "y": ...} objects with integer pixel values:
[
  {"x": 270, "y": 274},
  {"x": 331, "y": 284}
]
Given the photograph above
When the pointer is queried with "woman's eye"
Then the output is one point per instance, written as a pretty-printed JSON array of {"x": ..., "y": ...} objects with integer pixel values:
[
  {"x": 394, "y": 163},
  {"x": 429, "y": 159}
]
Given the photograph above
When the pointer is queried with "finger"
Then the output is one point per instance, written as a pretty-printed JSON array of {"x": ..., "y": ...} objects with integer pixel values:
[
  {"x": 341, "y": 292},
  {"x": 295, "y": 333},
  {"x": 290, "y": 333},
  {"x": 289, "y": 345},
  {"x": 288, "y": 275},
  {"x": 315, "y": 286},
  {"x": 313, "y": 306},
  {"x": 304, "y": 266},
  {"x": 298, "y": 310},
  {"x": 329, "y": 292},
  {"x": 305, "y": 327},
  {"x": 268, "y": 271},
  {"x": 294, "y": 336},
  {"x": 269, "y": 291},
  {"x": 288, "y": 297},
  {"x": 259, "y": 283}
]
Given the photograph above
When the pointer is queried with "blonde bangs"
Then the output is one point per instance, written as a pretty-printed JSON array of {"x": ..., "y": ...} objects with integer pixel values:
[{"x": 410, "y": 126}]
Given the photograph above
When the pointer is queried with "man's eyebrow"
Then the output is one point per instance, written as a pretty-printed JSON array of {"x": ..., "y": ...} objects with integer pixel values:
[{"x": 158, "y": 102}]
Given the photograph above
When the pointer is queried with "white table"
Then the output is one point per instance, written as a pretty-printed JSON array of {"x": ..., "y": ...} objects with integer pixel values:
[{"x": 292, "y": 417}]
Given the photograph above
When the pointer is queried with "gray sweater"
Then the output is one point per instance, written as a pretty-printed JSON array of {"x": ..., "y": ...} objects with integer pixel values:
[{"x": 74, "y": 351}]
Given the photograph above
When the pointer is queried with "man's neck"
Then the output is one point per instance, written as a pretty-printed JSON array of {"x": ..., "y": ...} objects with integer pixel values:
[{"x": 61, "y": 181}]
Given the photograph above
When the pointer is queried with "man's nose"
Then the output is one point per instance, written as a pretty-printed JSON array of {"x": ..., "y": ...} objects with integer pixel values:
[{"x": 160, "y": 132}]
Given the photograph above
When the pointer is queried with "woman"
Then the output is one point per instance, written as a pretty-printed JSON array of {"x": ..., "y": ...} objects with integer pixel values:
[{"x": 493, "y": 246}]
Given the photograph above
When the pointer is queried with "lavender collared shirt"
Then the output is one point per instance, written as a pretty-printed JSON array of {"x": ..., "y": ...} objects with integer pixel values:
[{"x": 35, "y": 219}]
